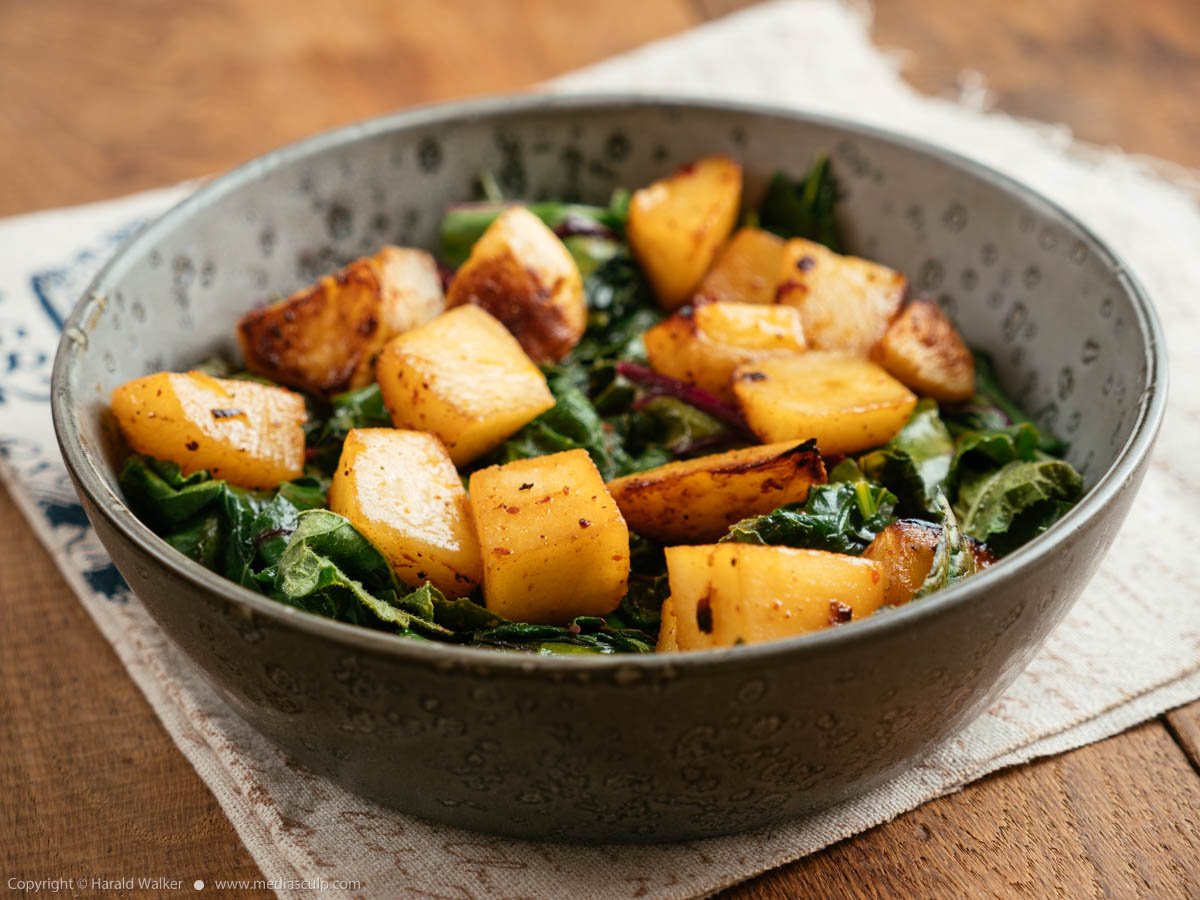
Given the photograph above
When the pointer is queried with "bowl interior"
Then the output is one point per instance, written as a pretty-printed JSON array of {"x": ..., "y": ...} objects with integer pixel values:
[{"x": 1020, "y": 278}]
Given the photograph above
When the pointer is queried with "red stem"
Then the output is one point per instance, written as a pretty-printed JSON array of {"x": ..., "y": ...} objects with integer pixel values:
[{"x": 693, "y": 396}]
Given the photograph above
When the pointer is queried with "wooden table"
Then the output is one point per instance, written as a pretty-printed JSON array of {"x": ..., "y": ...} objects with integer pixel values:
[{"x": 100, "y": 99}]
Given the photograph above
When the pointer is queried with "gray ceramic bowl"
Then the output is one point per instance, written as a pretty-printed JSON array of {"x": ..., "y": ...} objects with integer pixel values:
[{"x": 618, "y": 748}]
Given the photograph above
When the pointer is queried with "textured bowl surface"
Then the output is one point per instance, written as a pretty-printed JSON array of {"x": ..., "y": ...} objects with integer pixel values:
[{"x": 620, "y": 748}]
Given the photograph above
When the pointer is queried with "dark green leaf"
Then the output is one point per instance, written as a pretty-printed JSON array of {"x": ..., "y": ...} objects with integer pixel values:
[
  {"x": 571, "y": 424},
  {"x": 327, "y": 426},
  {"x": 231, "y": 530},
  {"x": 159, "y": 493},
  {"x": 641, "y": 608},
  {"x": 464, "y": 224},
  {"x": 220, "y": 367},
  {"x": 331, "y": 569},
  {"x": 306, "y": 492},
  {"x": 200, "y": 539},
  {"x": 574, "y": 416},
  {"x": 915, "y": 462},
  {"x": 250, "y": 521},
  {"x": 362, "y": 408},
  {"x": 535, "y": 439},
  {"x": 991, "y": 409},
  {"x": 978, "y": 451},
  {"x": 842, "y": 517},
  {"x": 472, "y": 623},
  {"x": 621, "y": 306},
  {"x": 953, "y": 558},
  {"x": 646, "y": 557},
  {"x": 682, "y": 427},
  {"x": 464, "y": 615},
  {"x": 803, "y": 208},
  {"x": 611, "y": 393},
  {"x": 587, "y": 634},
  {"x": 1008, "y": 506}
]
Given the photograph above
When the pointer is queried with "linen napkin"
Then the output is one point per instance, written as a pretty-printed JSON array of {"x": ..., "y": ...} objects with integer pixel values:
[{"x": 1129, "y": 650}]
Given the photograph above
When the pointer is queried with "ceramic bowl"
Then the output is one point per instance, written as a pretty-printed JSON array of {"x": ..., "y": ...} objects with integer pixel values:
[{"x": 618, "y": 748}]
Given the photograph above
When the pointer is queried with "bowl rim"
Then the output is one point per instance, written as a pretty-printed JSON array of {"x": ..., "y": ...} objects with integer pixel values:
[{"x": 85, "y": 468}]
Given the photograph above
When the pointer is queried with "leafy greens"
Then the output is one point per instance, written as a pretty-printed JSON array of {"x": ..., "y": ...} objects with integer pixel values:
[
  {"x": 1011, "y": 505},
  {"x": 842, "y": 517},
  {"x": 331, "y": 569},
  {"x": 238, "y": 533},
  {"x": 915, "y": 462},
  {"x": 982, "y": 470},
  {"x": 326, "y": 429},
  {"x": 953, "y": 558},
  {"x": 803, "y": 208},
  {"x": 991, "y": 409},
  {"x": 464, "y": 223}
]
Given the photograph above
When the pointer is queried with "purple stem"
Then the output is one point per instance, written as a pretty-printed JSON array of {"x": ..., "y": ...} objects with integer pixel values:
[
  {"x": 263, "y": 536},
  {"x": 573, "y": 225},
  {"x": 673, "y": 387}
]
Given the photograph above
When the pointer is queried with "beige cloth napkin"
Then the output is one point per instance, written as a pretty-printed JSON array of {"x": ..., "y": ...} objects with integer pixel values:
[{"x": 1130, "y": 648}]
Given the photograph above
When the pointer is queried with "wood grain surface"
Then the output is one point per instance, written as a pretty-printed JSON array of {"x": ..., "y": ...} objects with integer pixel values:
[
  {"x": 1114, "y": 819},
  {"x": 96, "y": 101}
]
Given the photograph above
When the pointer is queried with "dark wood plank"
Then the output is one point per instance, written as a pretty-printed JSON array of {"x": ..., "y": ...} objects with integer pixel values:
[
  {"x": 1046, "y": 60},
  {"x": 148, "y": 93},
  {"x": 1184, "y": 725},
  {"x": 90, "y": 783},
  {"x": 1118, "y": 73},
  {"x": 1120, "y": 818}
]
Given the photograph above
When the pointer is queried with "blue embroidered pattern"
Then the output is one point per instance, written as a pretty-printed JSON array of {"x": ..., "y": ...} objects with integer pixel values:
[{"x": 26, "y": 358}]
